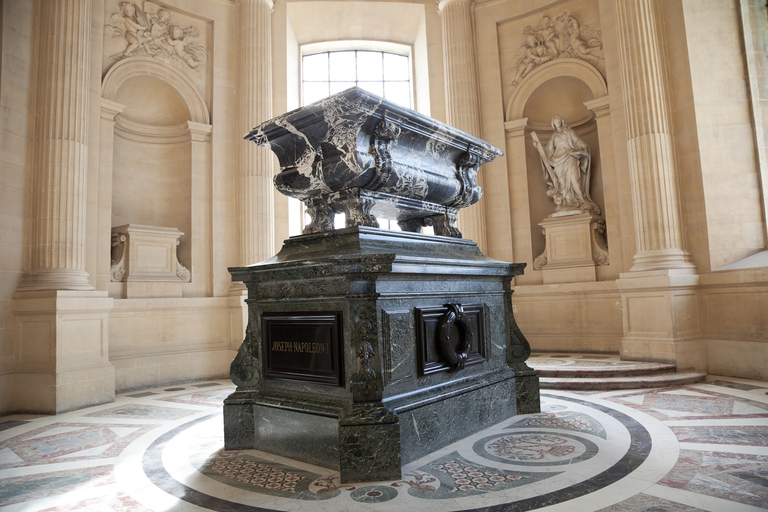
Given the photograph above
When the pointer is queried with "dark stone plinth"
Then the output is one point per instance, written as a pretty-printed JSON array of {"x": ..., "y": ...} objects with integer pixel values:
[{"x": 384, "y": 409}]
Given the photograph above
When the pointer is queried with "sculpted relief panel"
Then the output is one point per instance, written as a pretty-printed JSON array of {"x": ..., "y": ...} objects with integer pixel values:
[
  {"x": 561, "y": 37},
  {"x": 136, "y": 28}
]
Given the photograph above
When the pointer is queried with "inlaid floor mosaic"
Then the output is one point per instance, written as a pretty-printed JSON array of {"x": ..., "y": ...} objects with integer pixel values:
[{"x": 688, "y": 448}]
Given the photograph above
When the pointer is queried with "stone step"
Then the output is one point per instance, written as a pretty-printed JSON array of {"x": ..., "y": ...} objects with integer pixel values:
[
  {"x": 616, "y": 370},
  {"x": 632, "y": 382}
]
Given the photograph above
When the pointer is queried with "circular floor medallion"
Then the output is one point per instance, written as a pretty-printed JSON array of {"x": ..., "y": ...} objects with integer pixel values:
[
  {"x": 373, "y": 494},
  {"x": 536, "y": 448}
]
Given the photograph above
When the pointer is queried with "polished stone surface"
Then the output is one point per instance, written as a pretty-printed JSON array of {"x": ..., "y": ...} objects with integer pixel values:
[
  {"x": 357, "y": 153},
  {"x": 685, "y": 448},
  {"x": 385, "y": 409}
]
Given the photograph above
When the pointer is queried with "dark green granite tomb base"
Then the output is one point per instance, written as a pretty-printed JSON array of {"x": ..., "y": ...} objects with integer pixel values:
[{"x": 391, "y": 400}]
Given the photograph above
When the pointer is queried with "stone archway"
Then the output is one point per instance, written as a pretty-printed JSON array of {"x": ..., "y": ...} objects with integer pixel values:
[
  {"x": 575, "y": 68},
  {"x": 146, "y": 66}
]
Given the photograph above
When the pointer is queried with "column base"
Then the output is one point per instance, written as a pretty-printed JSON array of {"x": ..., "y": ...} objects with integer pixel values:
[
  {"x": 47, "y": 280},
  {"x": 62, "y": 361},
  {"x": 669, "y": 259},
  {"x": 661, "y": 318}
]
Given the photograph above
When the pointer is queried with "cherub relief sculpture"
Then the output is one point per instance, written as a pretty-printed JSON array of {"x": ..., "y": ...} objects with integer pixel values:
[
  {"x": 553, "y": 39},
  {"x": 535, "y": 54},
  {"x": 566, "y": 162},
  {"x": 133, "y": 27},
  {"x": 148, "y": 31},
  {"x": 179, "y": 40}
]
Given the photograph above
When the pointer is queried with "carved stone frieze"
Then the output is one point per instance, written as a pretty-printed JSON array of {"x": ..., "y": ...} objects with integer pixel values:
[
  {"x": 244, "y": 369},
  {"x": 366, "y": 385},
  {"x": 599, "y": 243},
  {"x": 561, "y": 37},
  {"x": 148, "y": 29},
  {"x": 117, "y": 268}
]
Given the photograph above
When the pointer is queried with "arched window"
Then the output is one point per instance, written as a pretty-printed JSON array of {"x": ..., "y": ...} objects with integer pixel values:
[
  {"x": 383, "y": 69},
  {"x": 383, "y": 73}
]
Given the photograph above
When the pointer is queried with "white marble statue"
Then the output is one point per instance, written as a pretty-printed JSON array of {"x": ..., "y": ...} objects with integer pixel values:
[{"x": 566, "y": 163}]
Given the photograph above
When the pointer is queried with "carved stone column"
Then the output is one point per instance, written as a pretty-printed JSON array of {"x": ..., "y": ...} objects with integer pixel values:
[
  {"x": 462, "y": 96},
  {"x": 659, "y": 295},
  {"x": 255, "y": 199},
  {"x": 653, "y": 167},
  {"x": 62, "y": 359},
  {"x": 56, "y": 249}
]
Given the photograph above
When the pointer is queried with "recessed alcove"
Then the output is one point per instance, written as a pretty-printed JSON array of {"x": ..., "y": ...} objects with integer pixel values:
[
  {"x": 158, "y": 128},
  {"x": 564, "y": 96},
  {"x": 151, "y": 169},
  {"x": 152, "y": 101}
]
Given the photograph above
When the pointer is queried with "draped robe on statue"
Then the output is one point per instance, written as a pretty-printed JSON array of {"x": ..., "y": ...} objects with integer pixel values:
[{"x": 566, "y": 161}]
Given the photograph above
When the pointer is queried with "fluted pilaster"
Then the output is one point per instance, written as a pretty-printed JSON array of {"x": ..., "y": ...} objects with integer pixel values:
[
  {"x": 462, "y": 96},
  {"x": 255, "y": 192},
  {"x": 653, "y": 167},
  {"x": 56, "y": 250}
]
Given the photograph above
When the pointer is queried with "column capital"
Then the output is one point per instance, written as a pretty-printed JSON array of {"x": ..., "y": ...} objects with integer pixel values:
[
  {"x": 269, "y": 3},
  {"x": 443, "y": 3}
]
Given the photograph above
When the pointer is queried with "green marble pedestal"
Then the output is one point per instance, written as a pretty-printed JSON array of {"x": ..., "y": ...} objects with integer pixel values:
[{"x": 345, "y": 363}]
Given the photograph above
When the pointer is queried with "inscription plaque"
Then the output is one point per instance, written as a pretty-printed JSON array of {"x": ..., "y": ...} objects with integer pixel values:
[
  {"x": 303, "y": 346},
  {"x": 427, "y": 320}
]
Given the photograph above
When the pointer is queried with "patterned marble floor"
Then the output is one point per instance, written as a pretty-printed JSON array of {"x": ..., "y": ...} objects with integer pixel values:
[{"x": 689, "y": 448}]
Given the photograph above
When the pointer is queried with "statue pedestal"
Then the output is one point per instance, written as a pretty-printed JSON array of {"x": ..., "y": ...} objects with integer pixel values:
[
  {"x": 574, "y": 248},
  {"x": 367, "y": 349},
  {"x": 144, "y": 259}
]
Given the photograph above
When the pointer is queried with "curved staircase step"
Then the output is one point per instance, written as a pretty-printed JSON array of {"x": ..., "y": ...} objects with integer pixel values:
[
  {"x": 632, "y": 382},
  {"x": 622, "y": 369},
  {"x": 581, "y": 371}
]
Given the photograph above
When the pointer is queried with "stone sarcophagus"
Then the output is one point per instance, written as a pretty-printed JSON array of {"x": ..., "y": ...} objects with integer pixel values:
[
  {"x": 369, "y": 348},
  {"x": 357, "y": 154}
]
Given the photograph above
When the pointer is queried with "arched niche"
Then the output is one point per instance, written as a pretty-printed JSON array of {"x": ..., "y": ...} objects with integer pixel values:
[
  {"x": 155, "y": 152},
  {"x": 574, "y": 68},
  {"x": 151, "y": 101},
  {"x": 128, "y": 69},
  {"x": 576, "y": 91}
]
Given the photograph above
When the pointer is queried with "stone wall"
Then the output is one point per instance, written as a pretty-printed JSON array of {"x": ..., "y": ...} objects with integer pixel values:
[
  {"x": 715, "y": 152},
  {"x": 172, "y": 100}
]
